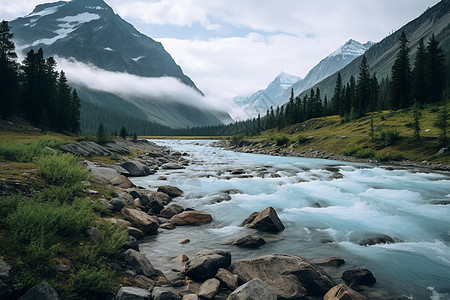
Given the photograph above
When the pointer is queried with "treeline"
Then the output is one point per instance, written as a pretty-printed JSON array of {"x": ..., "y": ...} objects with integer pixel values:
[
  {"x": 35, "y": 90},
  {"x": 423, "y": 84}
]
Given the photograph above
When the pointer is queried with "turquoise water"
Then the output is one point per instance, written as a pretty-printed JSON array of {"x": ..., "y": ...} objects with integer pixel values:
[{"x": 323, "y": 216}]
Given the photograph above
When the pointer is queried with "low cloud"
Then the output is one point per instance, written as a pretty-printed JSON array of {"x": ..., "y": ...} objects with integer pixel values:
[{"x": 132, "y": 86}]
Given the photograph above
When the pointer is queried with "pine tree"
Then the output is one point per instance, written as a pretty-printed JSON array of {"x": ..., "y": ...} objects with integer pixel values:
[
  {"x": 8, "y": 72},
  {"x": 435, "y": 70},
  {"x": 63, "y": 103},
  {"x": 75, "y": 105},
  {"x": 374, "y": 93},
  {"x": 101, "y": 134},
  {"x": 363, "y": 89},
  {"x": 419, "y": 74},
  {"x": 123, "y": 132},
  {"x": 337, "y": 96},
  {"x": 442, "y": 123},
  {"x": 400, "y": 88},
  {"x": 417, "y": 115}
]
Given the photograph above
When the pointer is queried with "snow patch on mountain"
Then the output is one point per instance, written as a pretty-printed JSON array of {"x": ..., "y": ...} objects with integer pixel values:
[
  {"x": 68, "y": 25},
  {"x": 136, "y": 59},
  {"x": 108, "y": 49},
  {"x": 351, "y": 48},
  {"x": 95, "y": 7},
  {"x": 46, "y": 11}
]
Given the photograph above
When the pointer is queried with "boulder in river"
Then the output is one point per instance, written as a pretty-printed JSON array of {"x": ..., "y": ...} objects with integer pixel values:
[
  {"x": 342, "y": 292},
  {"x": 290, "y": 276},
  {"x": 265, "y": 220},
  {"x": 359, "y": 277},
  {"x": 377, "y": 239},
  {"x": 329, "y": 262},
  {"x": 141, "y": 220},
  {"x": 121, "y": 181},
  {"x": 249, "y": 241},
  {"x": 209, "y": 288},
  {"x": 172, "y": 166},
  {"x": 136, "y": 168},
  {"x": 205, "y": 264},
  {"x": 227, "y": 279},
  {"x": 171, "y": 210},
  {"x": 191, "y": 217},
  {"x": 160, "y": 293},
  {"x": 172, "y": 191},
  {"x": 255, "y": 289}
]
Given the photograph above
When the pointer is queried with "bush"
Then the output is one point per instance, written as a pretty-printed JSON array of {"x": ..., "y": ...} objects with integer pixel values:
[
  {"x": 301, "y": 139},
  {"x": 365, "y": 153},
  {"x": 281, "y": 140},
  {"x": 64, "y": 194},
  {"x": 389, "y": 137},
  {"x": 61, "y": 169},
  {"x": 388, "y": 156},
  {"x": 93, "y": 283},
  {"x": 26, "y": 152},
  {"x": 351, "y": 150}
]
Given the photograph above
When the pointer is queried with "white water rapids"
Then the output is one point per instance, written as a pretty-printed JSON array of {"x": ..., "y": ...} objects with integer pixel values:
[{"x": 324, "y": 214}]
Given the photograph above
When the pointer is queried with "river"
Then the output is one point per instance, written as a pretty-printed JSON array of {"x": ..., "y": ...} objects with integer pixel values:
[{"x": 327, "y": 206}]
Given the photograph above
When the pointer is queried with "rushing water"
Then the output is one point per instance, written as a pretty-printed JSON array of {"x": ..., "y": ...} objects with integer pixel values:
[{"x": 324, "y": 214}]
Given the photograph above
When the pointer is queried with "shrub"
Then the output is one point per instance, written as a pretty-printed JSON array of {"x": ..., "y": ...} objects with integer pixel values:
[
  {"x": 365, "y": 153},
  {"x": 64, "y": 194},
  {"x": 93, "y": 283},
  {"x": 9, "y": 205},
  {"x": 388, "y": 156},
  {"x": 390, "y": 137},
  {"x": 26, "y": 152},
  {"x": 351, "y": 150},
  {"x": 301, "y": 139},
  {"x": 61, "y": 169},
  {"x": 281, "y": 140}
]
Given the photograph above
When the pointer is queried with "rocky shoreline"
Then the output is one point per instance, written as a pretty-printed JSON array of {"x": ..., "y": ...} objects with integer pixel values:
[
  {"x": 209, "y": 274},
  {"x": 269, "y": 148}
]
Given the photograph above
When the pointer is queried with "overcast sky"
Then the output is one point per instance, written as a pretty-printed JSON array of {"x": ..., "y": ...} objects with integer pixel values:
[{"x": 236, "y": 47}]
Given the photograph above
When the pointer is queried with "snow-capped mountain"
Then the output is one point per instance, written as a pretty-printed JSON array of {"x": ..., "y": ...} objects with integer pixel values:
[
  {"x": 259, "y": 102},
  {"x": 89, "y": 32}
]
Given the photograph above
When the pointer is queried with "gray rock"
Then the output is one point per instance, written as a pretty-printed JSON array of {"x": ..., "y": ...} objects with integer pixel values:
[
  {"x": 95, "y": 235},
  {"x": 205, "y": 264},
  {"x": 171, "y": 210},
  {"x": 329, "y": 262},
  {"x": 117, "y": 203},
  {"x": 126, "y": 197},
  {"x": 172, "y": 166},
  {"x": 209, "y": 288},
  {"x": 160, "y": 293},
  {"x": 136, "y": 168},
  {"x": 5, "y": 270},
  {"x": 265, "y": 220},
  {"x": 377, "y": 239},
  {"x": 3, "y": 290},
  {"x": 190, "y": 297},
  {"x": 143, "y": 282},
  {"x": 102, "y": 175},
  {"x": 132, "y": 293},
  {"x": 119, "y": 169},
  {"x": 359, "y": 277},
  {"x": 134, "y": 232},
  {"x": 289, "y": 276},
  {"x": 160, "y": 197},
  {"x": 139, "y": 262},
  {"x": 172, "y": 191},
  {"x": 227, "y": 279},
  {"x": 131, "y": 243},
  {"x": 255, "y": 289},
  {"x": 121, "y": 181},
  {"x": 41, "y": 291},
  {"x": 191, "y": 217},
  {"x": 249, "y": 241},
  {"x": 342, "y": 292},
  {"x": 141, "y": 220}
]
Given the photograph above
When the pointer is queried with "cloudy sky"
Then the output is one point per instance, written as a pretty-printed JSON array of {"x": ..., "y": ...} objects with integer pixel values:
[{"x": 235, "y": 47}]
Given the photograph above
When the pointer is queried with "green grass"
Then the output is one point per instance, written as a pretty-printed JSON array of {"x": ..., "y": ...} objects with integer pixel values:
[
  {"x": 49, "y": 223},
  {"x": 393, "y": 136}
]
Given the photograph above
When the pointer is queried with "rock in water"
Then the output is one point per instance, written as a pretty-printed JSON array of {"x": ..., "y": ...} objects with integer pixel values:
[
  {"x": 329, "y": 262},
  {"x": 191, "y": 217},
  {"x": 141, "y": 220},
  {"x": 377, "y": 239},
  {"x": 342, "y": 292},
  {"x": 209, "y": 288},
  {"x": 172, "y": 191},
  {"x": 227, "y": 279},
  {"x": 160, "y": 293},
  {"x": 171, "y": 210},
  {"x": 136, "y": 168},
  {"x": 132, "y": 293},
  {"x": 290, "y": 276},
  {"x": 205, "y": 264},
  {"x": 139, "y": 262},
  {"x": 359, "y": 276},
  {"x": 249, "y": 241},
  {"x": 255, "y": 289},
  {"x": 265, "y": 220},
  {"x": 41, "y": 291}
]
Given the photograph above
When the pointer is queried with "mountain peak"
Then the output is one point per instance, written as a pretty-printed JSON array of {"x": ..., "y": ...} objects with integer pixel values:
[
  {"x": 286, "y": 78},
  {"x": 352, "y": 48}
]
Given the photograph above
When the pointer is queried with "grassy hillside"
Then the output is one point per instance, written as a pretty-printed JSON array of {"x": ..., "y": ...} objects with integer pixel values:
[{"x": 393, "y": 136}]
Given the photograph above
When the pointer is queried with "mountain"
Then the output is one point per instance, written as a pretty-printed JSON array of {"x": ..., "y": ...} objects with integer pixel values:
[
  {"x": 259, "y": 102},
  {"x": 89, "y": 32},
  {"x": 277, "y": 94},
  {"x": 381, "y": 56}
]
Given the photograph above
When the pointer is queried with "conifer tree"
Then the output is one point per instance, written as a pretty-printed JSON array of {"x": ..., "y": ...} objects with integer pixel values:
[
  {"x": 363, "y": 89},
  {"x": 63, "y": 103},
  {"x": 417, "y": 115},
  {"x": 101, "y": 134},
  {"x": 75, "y": 105},
  {"x": 435, "y": 70},
  {"x": 123, "y": 132},
  {"x": 419, "y": 74},
  {"x": 442, "y": 123},
  {"x": 8, "y": 72},
  {"x": 400, "y": 88},
  {"x": 337, "y": 96}
]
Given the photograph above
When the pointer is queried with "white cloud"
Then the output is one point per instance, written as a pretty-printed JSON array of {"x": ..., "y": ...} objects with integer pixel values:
[{"x": 127, "y": 85}]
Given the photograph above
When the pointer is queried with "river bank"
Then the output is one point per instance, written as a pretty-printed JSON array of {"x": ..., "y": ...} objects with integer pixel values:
[{"x": 270, "y": 148}]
